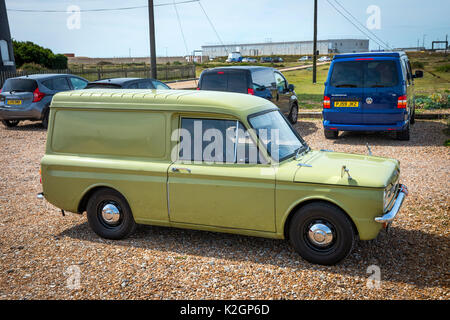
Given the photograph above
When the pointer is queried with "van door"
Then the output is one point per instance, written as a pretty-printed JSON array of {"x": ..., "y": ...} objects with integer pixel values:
[
  {"x": 382, "y": 87},
  {"x": 345, "y": 90},
  {"x": 220, "y": 188}
]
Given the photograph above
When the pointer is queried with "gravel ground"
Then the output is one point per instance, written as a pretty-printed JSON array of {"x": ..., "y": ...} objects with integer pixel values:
[{"x": 42, "y": 252}]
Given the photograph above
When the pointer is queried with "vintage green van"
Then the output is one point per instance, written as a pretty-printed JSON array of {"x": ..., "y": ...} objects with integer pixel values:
[{"x": 215, "y": 161}]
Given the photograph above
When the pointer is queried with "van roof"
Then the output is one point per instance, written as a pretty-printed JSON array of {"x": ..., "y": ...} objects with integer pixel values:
[
  {"x": 251, "y": 68},
  {"x": 370, "y": 54},
  {"x": 236, "y": 104}
]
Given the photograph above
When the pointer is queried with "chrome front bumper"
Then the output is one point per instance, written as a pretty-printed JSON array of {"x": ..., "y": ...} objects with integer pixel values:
[{"x": 390, "y": 215}]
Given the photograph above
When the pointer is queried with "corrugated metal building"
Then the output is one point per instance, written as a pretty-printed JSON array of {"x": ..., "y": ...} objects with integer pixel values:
[{"x": 288, "y": 48}]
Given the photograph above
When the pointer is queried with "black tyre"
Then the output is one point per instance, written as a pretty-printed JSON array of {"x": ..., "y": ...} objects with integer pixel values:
[
  {"x": 45, "y": 118},
  {"x": 413, "y": 117},
  {"x": 293, "y": 115},
  {"x": 322, "y": 233},
  {"x": 109, "y": 215},
  {"x": 331, "y": 134},
  {"x": 10, "y": 123},
  {"x": 404, "y": 134}
]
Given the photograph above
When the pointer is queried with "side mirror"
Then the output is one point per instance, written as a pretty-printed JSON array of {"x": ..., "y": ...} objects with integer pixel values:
[
  {"x": 418, "y": 74},
  {"x": 291, "y": 87}
]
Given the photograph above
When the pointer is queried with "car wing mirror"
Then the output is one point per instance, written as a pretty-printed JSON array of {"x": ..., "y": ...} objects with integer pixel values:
[
  {"x": 291, "y": 87},
  {"x": 418, "y": 74}
]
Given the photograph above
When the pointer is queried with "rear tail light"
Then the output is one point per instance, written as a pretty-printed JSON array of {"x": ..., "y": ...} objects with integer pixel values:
[
  {"x": 40, "y": 176},
  {"x": 402, "y": 102},
  {"x": 251, "y": 91},
  {"x": 326, "y": 102},
  {"x": 37, "y": 95},
  {"x": 198, "y": 88}
]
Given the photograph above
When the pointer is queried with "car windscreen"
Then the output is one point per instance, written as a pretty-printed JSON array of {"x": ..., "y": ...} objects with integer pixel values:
[
  {"x": 364, "y": 74},
  {"x": 19, "y": 85},
  {"x": 232, "y": 81}
]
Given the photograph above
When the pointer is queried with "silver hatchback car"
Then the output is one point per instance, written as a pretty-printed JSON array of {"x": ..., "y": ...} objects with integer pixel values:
[{"x": 29, "y": 97}]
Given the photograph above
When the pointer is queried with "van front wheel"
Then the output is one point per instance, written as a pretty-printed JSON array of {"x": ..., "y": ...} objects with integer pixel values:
[
  {"x": 109, "y": 215},
  {"x": 321, "y": 233}
]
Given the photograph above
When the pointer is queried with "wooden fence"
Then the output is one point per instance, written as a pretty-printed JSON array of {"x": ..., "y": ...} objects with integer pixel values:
[{"x": 164, "y": 72}]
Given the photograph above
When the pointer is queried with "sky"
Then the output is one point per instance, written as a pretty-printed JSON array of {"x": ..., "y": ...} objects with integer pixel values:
[{"x": 399, "y": 23}]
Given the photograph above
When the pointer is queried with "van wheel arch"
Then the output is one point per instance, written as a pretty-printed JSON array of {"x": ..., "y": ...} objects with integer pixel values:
[
  {"x": 304, "y": 203},
  {"x": 82, "y": 206}
]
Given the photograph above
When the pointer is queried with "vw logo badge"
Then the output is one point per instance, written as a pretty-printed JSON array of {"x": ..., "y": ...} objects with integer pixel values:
[{"x": 369, "y": 100}]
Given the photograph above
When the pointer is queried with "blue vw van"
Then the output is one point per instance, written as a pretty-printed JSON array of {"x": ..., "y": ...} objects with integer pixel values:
[{"x": 369, "y": 92}]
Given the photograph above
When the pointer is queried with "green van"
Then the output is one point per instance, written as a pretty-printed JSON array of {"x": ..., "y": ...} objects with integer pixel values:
[{"x": 213, "y": 161}]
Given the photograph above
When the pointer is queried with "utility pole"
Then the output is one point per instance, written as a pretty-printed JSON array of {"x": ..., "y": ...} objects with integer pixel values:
[
  {"x": 315, "y": 43},
  {"x": 151, "y": 22},
  {"x": 6, "y": 53}
]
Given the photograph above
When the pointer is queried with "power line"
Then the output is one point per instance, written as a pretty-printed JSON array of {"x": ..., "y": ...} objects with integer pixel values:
[
  {"x": 181, "y": 28},
  {"x": 340, "y": 12},
  {"x": 372, "y": 33},
  {"x": 102, "y": 9},
  {"x": 212, "y": 26}
]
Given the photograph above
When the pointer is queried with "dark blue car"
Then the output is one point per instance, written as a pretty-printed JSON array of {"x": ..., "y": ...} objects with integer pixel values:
[{"x": 369, "y": 92}]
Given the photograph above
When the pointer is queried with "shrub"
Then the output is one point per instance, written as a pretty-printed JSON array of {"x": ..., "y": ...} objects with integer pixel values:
[
  {"x": 31, "y": 66},
  {"x": 444, "y": 68},
  {"x": 417, "y": 65},
  {"x": 434, "y": 101},
  {"x": 28, "y": 52}
]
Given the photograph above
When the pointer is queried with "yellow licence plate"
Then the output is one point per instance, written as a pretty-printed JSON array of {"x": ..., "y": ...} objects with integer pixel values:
[
  {"x": 14, "y": 102},
  {"x": 347, "y": 104}
]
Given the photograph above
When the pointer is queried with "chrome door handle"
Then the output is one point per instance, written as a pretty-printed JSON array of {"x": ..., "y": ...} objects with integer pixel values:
[{"x": 181, "y": 169}]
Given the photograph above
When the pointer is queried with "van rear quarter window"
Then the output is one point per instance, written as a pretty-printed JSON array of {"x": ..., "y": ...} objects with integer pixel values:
[
  {"x": 113, "y": 133},
  {"x": 368, "y": 74}
]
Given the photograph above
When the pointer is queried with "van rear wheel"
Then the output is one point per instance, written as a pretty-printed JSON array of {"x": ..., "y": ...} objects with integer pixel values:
[
  {"x": 331, "y": 134},
  {"x": 404, "y": 134},
  {"x": 109, "y": 215}
]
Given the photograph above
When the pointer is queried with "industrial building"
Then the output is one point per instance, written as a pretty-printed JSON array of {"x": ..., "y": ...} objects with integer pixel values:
[{"x": 288, "y": 48}]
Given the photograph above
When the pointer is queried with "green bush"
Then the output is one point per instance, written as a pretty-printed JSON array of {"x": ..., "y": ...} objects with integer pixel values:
[
  {"x": 28, "y": 52},
  {"x": 444, "y": 68},
  {"x": 434, "y": 101},
  {"x": 31, "y": 66},
  {"x": 417, "y": 65}
]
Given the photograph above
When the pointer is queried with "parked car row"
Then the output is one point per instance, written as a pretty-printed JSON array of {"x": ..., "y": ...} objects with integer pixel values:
[{"x": 29, "y": 97}]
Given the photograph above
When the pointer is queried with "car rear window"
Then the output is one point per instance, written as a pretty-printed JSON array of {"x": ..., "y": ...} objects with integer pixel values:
[
  {"x": 364, "y": 74},
  {"x": 234, "y": 81},
  {"x": 22, "y": 85}
]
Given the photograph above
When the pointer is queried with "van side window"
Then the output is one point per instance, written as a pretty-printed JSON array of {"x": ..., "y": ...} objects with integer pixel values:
[
  {"x": 263, "y": 77},
  {"x": 404, "y": 71},
  {"x": 408, "y": 67},
  {"x": 216, "y": 141}
]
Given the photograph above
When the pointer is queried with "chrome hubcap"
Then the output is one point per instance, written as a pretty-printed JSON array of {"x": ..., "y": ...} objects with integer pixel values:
[
  {"x": 320, "y": 235},
  {"x": 110, "y": 214}
]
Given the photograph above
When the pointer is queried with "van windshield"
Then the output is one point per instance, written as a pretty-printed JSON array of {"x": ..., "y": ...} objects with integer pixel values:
[
  {"x": 364, "y": 74},
  {"x": 277, "y": 135}
]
